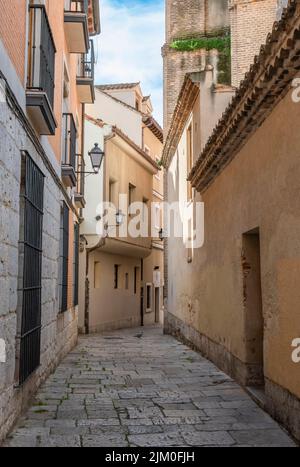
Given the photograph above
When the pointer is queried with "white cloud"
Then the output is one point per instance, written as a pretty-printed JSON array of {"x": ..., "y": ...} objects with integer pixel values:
[{"x": 129, "y": 47}]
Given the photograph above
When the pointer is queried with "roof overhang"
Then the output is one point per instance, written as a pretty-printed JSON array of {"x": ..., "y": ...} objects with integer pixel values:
[
  {"x": 264, "y": 86},
  {"x": 188, "y": 95},
  {"x": 133, "y": 150}
]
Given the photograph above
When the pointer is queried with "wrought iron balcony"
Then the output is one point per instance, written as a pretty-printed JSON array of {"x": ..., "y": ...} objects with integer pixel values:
[
  {"x": 76, "y": 26},
  {"x": 41, "y": 72},
  {"x": 79, "y": 194},
  {"x": 69, "y": 151},
  {"x": 85, "y": 77}
]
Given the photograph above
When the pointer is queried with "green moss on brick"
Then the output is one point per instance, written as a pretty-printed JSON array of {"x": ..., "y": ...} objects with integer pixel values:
[
  {"x": 209, "y": 43},
  {"x": 222, "y": 44}
]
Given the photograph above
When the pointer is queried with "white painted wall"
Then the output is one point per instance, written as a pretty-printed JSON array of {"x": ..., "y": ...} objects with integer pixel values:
[
  {"x": 93, "y": 183},
  {"x": 115, "y": 113}
]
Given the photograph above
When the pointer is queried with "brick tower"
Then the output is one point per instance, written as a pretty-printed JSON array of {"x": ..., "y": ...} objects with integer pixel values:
[
  {"x": 189, "y": 19},
  {"x": 251, "y": 21}
]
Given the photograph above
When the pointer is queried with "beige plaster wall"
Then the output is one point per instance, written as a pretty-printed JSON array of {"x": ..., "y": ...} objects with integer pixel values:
[
  {"x": 259, "y": 189},
  {"x": 112, "y": 308}
]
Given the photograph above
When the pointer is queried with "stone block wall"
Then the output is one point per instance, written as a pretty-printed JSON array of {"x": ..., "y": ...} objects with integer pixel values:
[{"x": 59, "y": 331}]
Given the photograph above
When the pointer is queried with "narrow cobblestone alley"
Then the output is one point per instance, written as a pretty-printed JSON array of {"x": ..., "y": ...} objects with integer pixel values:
[{"x": 124, "y": 389}]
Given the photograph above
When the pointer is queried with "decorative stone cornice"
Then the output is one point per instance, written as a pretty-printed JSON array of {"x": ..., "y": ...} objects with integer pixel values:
[{"x": 267, "y": 82}]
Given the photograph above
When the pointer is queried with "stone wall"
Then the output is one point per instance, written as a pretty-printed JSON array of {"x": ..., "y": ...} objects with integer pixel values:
[
  {"x": 59, "y": 332},
  {"x": 251, "y": 22}
]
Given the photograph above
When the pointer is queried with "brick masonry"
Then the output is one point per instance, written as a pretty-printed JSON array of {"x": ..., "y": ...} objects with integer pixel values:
[
  {"x": 59, "y": 332},
  {"x": 13, "y": 18},
  {"x": 251, "y": 22},
  {"x": 187, "y": 19}
]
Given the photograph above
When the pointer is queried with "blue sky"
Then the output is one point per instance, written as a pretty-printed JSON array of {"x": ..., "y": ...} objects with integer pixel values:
[{"x": 129, "y": 47}]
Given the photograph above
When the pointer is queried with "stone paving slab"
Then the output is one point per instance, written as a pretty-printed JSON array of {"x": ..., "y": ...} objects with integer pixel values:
[{"x": 116, "y": 390}]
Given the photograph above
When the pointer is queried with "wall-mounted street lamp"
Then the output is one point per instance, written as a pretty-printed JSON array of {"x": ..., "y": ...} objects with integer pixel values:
[
  {"x": 97, "y": 156},
  {"x": 119, "y": 221},
  {"x": 119, "y": 218}
]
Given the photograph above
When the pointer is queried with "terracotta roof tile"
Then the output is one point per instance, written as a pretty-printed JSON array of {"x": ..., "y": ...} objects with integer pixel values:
[
  {"x": 266, "y": 83},
  {"x": 107, "y": 87}
]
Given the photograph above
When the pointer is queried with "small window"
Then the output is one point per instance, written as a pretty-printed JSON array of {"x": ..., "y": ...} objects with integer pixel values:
[
  {"x": 116, "y": 276},
  {"x": 149, "y": 297},
  {"x": 126, "y": 281},
  {"x": 147, "y": 150},
  {"x": 112, "y": 192},
  {"x": 136, "y": 275}
]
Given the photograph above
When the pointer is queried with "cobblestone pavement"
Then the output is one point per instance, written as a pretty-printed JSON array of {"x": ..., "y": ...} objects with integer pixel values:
[{"x": 119, "y": 390}]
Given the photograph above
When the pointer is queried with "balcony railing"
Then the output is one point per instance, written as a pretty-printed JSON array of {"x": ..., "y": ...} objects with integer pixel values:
[
  {"x": 69, "y": 150},
  {"x": 85, "y": 76},
  {"x": 41, "y": 53},
  {"x": 86, "y": 66},
  {"x": 80, "y": 6}
]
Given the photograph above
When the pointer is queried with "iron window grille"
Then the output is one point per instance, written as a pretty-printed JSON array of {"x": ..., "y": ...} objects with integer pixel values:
[
  {"x": 76, "y": 263},
  {"x": 69, "y": 146},
  {"x": 32, "y": 202},
  {"x": 64, "y": 257},
  {"x": 86, "y": 66},
  {"x": 42, "y": 52}
]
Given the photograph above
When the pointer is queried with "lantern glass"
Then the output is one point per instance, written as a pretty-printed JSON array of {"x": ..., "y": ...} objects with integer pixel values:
[
  {"x": 96, "y": 155},
  {"x": 119, "y": 218}
]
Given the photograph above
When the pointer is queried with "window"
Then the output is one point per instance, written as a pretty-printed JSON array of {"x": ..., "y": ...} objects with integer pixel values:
[
  {"x": 64, "y": 257},
  {"x": 112, "y": 192},
  {"x": 126, "y": 281},
  {"x": 116, "y": 276},
  {"x": 147, "y": 150},
  {"x": 76, "y": 263},
  {"x": 136, "y": 275},
  {"x": 149, "y": 297},
  {"x": 31, "y": 236},
  {"x": 189, "y": 160},
  {"x": 41, "y": 66}
]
